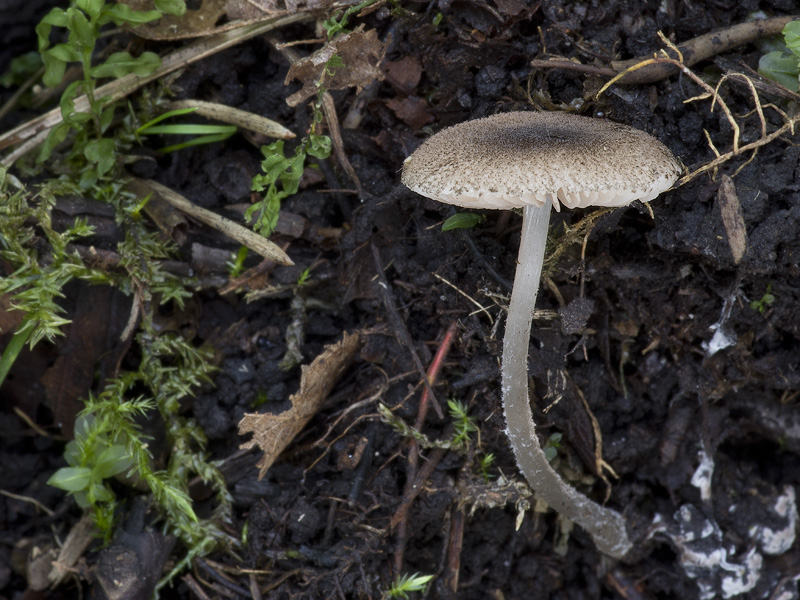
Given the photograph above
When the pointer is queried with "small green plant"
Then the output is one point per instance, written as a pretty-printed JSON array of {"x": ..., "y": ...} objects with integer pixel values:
[
  {"x": 96, "y": 455},
  {"x": 236, "y": 265},
  {"x": 405, "y": 584},
  {"x": 302, "y": 281},
  {"x": 552, "y": 446},
  {"x": 765, "y": 302},
  {"x": 84, "y": 20},
  {"x": 337, "y": 24},
  {"x": 281, "y": 177},
  {"x": 783, "y": 65},
  {"x": 485, "y": 463},
  {"x": 463, "y": 423},
  {"x": 462, "y": 221}
]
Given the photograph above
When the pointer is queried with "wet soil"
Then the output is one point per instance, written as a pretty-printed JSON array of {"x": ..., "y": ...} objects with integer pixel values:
[{"x": 649, "y": 330}]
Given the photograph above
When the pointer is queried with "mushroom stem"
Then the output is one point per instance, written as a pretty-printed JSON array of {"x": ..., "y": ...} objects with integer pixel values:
[{"x": 606, "y": 526}]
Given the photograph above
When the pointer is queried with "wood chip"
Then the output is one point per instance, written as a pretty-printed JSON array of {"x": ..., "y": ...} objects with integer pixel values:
[{"x": 732, "y": 218}]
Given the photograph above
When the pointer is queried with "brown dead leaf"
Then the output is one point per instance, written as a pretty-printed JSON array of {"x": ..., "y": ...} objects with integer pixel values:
[
  {"x": 254, "y": 9},
  {"x": 732, "y": 218},
  {"x": 360, "y": 51},
  {"x": 194, "y": 22},
  {"x": 272, "y": 433},
  {"x": 413, "y": 111},
  {"x": 403, "y": 74},
  {"x": 90, "y": 348}
]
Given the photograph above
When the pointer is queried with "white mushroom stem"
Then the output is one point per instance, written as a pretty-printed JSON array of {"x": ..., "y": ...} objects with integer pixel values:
[{"x": 606, "y": 526}]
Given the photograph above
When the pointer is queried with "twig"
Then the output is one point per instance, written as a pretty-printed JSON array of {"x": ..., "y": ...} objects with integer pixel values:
[
  {"x": 195, "y": 587},
  {"x": 235, "y": 116},
  {"x": 233, "y": 230},
  {"x": 454, "y": 546},
  {"x": 701, "y": 48},
  {"x": 33, "y": 501}
]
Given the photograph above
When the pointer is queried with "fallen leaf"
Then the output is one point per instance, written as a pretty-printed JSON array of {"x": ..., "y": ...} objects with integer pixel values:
[
  {"x": 413, "y": 111},
  {"x": 403, "y": 74},
  {"x": 90, "y": 349},
  {"x": 361, "y": 53},
  {"x": 272, "y": 433},
  {"x": 197, "y": 21}
]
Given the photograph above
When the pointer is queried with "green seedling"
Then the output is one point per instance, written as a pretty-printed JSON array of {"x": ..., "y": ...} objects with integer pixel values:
[
  {"x": 463, "y": 423},
  {"x": 552, "y": 446},
  {"x": 281, "y": 177},
  {"x": 765, "y": 302},
  {"x": 337, "y": 24},
  {"x": 236, "y": 265},
  {"x": 485, "y": 462},
  {"x": 783, "y": 65},
  {"x": 462, "y": 221},
  {"x": 95, "y": 456},
  {"x": 405, "y": 584}
]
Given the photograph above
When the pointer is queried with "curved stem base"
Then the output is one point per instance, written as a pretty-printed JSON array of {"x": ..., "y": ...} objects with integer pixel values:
[{"x": 606, "y": 526}]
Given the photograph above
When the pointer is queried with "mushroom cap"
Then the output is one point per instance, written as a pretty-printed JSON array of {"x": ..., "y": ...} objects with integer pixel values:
[{"x": 510, "y": 160}]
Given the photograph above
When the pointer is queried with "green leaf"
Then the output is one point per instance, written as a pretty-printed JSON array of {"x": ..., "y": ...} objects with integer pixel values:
[
  {"x": 81, "y": 31},
  {"x": 21, "y": 68},
  {"x": 72, "y": 454},
  {"x": 71, "y": 479},
  {"x": 462, "y": 221},
  {"x": 122, "y": 14},
  {"x": 57, "y": 17},
  {"x": 64, "y": 52},
  {"x": 106, "y": 117},
  {"x": 319, "y": 146},
  {"x": 68, "y": 113},
  {"x": 189, "y": 129},
  {"x": 791, "y": 34},
  {"x": 166, "y": 115},
  {"x": 57, "y": 135},
  {"x": 91, "y": 7},
  {"x": 98, "y": 492},
  {"x": 780, "y": 67},
  {"x": 120, "y": 64},
  {"x": 112, "y": 461},
  {"x": 171, "y": 7},
  {"x": 102, "y": 153},
  {"x": 53, "y": 69}
]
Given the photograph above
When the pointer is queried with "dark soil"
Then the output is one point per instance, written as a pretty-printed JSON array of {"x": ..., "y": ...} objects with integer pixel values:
[{"x": 655, "y": 330}]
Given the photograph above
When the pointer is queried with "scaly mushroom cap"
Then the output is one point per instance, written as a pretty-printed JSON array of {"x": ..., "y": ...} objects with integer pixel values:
[{"x": 513, "y": 159}]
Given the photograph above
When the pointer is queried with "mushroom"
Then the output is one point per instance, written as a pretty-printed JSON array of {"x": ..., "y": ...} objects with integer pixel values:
[{"x": 531, "y": 160}]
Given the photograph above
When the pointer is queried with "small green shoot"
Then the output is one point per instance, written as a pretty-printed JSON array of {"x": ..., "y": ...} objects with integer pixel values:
[
  {"x": 552, "y": 446},
  {"x": 462, "y": 221},
  {"x": 406, "y": 584},
  {"x": 463, "y": 423},
  {"x": 437, "y": 19},
  {"x": 337, "y": 24},
  {"x": 783, "y": 65},
  {"x": 485, "y": 463},
  {"x": 304, "y": 277},
  {"x": 236, "y": 264},
  {"x": 206, "y": 133},
  {"x": 94, "y": 456},
  {"x": 765, "y": 302},
  {"x": 281, "y": 177}
]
